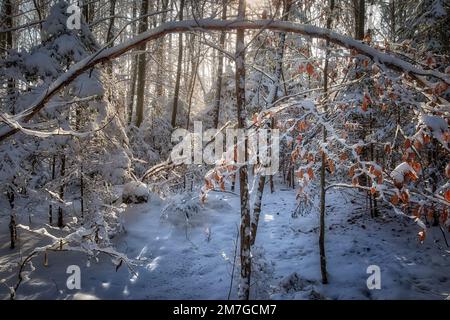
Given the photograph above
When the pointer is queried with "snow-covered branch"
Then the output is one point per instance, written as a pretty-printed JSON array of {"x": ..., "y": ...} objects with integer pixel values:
[{"x": 218, "y": 25}]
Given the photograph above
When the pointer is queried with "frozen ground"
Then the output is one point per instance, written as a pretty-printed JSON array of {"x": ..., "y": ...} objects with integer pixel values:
[{"x": 196, "y": 262}]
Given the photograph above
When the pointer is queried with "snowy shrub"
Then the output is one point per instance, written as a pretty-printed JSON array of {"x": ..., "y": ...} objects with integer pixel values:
[
  {"x": 183, "y": 209},
  {"x": 76, "y": 167},
  {"x": 135, "y": 192},
  {"x": 121, "y": 164}
]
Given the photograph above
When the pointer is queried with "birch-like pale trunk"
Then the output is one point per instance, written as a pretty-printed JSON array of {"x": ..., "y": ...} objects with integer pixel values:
[{"x": 245, "y": 233}]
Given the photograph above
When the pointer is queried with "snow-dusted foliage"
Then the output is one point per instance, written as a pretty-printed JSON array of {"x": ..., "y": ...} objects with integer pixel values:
[
  {"x": 427, "y": 25},
  {"x": 70, "y": 154}
]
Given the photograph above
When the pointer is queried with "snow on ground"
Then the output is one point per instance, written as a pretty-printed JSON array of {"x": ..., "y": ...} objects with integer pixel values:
[{"x": 196, "y": 262}]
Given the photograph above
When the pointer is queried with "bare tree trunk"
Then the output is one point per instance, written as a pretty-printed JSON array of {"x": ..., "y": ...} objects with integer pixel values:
[
  {"x": 50, "y": 207},
  {"x": 112, "y": 13},
  {"x": 359, "y": 7},
  {"x": 61, "y": 190},
  {"x": 134, "y": 61},
  {"x": 7, "y": 37},
  {"x": 323, "y": 261},
  {"x": 392, "y": 25},
  {"x": 7, "y": 42},
  {"x": 180, "y": 63},
  {"x": 360, "y": 12},
  {"x": 39, "y": 12},
  {"x": 109, "y": 34},
  {"x": 195, "y": 61},
  {"x": 81, "y": 192},
  {"x": 88, "y": 10},
  {"x": 161, "y": 71},
  {"x": 132, "y": 90},
  {"x": 218, "y": 92},
  {"x": 12, "y": 231},
  {"x": 141, "y": 67},
  {"x": 257, "y": 207},
  {"x": 12, "y": 221},
  {"x": 244, "y": 287}
]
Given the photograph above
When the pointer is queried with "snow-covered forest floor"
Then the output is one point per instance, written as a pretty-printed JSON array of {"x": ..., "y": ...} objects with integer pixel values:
[
  {"x": 124, "y": 126},
  {"x": 196, "y": 262}
]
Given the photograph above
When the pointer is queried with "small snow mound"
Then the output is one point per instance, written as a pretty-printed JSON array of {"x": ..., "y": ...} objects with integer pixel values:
[
  {"x": 84, "y": 296},
  {"x": 135, "y": 192},
  {"x": 183, "y": 209},
  {"x": 294, "y": 283}
]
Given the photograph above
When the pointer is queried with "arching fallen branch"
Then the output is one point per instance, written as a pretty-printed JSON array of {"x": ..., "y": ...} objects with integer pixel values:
[{"x": 105, "y": 55}]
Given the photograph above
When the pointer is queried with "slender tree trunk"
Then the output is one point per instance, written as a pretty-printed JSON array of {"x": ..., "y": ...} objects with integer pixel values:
[
  {"x": 257, "y": 207},
  {"x": 132, "y": 90},
  {"x": 81, "y": 192},
  {"x": 392, "y": 18},
  {"x": 7, "y": 37},
  {"x": 12, "y": 230},
  {"x": 359, "y": 35},
  {"x": 245, "y": 234},
  {"x": 170, "y": 46},
  {"x": 218, "y": 92},
  {"x": 374, "y": 196},
  {"x": 88, "y": 10},
  {"x": 112, "y": 13},
  {"x": 161, "y": 71},
  {"x": 12, "y": 221},
  {"x": 7, "y": 42},
  {"x": 195, "y": 64},
  {"x": 141, "y": 67},
  {"x": 50, "y": 207},
  {"x": 134, "y": 62},
  {"x": 178, "y": 79},
  {"x": 360, "y": 12},
  {"x": 109, "y": 34},
  {"x": 61, "y": 191},
  {"x": 323, "y": 261}
]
